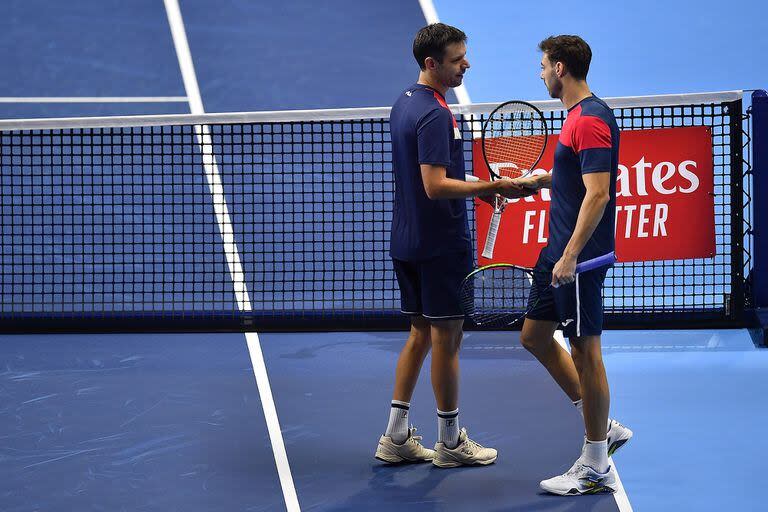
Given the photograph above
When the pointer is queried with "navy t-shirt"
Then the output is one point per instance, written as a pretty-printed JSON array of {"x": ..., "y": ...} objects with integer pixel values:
[
  {"x": 588, "y": 142},
  {"x": 424, "y": 131}
]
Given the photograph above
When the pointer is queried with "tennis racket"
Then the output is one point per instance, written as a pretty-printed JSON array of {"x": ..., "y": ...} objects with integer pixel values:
[
  {"x": 499, "y": 295},
  {"x": 513, "y": 139}
]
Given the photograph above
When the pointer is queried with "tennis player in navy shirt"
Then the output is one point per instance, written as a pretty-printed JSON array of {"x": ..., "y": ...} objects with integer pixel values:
[
  {"x": 430, "y": 248},
  {"x": 581, "y": 227}
]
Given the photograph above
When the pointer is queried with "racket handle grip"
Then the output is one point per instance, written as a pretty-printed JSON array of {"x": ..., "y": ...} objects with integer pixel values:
[
  {"x": 600, "y": 261},
  {"x": 490, "y": 239},
  {"x": 471, "y": 178}
]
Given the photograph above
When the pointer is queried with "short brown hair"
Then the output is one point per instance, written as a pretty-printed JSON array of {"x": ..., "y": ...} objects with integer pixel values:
[
  {"x": 572, "y": 51},
  {"x": 432, "y": 40}
]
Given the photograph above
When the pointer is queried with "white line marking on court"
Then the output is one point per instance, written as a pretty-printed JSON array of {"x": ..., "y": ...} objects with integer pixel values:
[
  {"x": 273, "y": 425},
  {"x": 232, "y": 254},
  {"x": 184, "y": 55},
  {"x": 222, "y": 215},
  {"x": 430, "y": 14},
  {"x": 622, "y": 500},
  {"x": 94, "y": 99}
]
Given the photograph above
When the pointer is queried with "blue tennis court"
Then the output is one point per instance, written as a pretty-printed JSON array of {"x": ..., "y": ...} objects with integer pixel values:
[
  {"x": 169, "y": 421},
  {"x": 189, "y": 323}
]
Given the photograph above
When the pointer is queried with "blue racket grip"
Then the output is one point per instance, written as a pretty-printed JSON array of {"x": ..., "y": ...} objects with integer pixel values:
[{"x": 600, "y": 261}]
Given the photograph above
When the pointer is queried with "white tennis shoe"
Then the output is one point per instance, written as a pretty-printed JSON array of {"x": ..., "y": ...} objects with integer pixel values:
[
  {"x": 581, "y": 479},
  {"x": 411, "y": 451},
  {"x": 618, "y": 435},
  {"x": 466, "y": 453}
]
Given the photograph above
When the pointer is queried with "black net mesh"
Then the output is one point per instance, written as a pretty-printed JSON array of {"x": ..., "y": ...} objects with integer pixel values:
[{"x": 277, "y": 225}]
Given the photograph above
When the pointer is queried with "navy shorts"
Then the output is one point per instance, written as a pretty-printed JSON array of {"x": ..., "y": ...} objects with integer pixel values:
[
  {"x": 577, "y": 306},
  {"x": 431, "y": 288}
]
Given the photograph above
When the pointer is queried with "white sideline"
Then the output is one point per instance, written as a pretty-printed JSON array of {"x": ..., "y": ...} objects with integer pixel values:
[{"x": 230, "y": 249}]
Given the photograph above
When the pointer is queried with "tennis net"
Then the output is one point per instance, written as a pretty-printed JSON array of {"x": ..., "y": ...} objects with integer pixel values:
[{"x": 280, "y": 220}]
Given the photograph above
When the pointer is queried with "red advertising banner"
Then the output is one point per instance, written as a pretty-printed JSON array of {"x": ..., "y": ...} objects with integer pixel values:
[{"x": 664, "y": 201}]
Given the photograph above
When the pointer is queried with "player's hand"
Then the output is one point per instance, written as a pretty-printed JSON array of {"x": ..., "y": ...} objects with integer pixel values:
[
  {"x": 529, "y": 186},
  {"x": 510, "y": 188},
  {"x": 529, "y": 182},
  {"x": 564, "y": 271}
]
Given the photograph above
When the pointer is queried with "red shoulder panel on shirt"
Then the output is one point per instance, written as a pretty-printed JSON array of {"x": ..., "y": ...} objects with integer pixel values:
[{"x": 591, "y": 132}]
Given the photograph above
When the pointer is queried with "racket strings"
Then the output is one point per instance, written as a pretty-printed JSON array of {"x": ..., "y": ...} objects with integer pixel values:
[
  {"x": 496, "y": 296},
  {"x": 515, "y": 139}
]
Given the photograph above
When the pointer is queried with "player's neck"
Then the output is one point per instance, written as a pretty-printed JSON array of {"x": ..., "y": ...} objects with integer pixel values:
[
  {"x": 574, "y": 93},
  {"x": 425, "y": 79}
]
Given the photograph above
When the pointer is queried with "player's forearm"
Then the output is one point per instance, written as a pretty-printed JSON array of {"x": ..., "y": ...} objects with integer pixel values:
[
  {"x": 438, "y": 185},
  {"x": 537, "y": 182},
  {"x": 590, "y": 214},
  {"x": 544, "y": 180},
  {"x": 449, "y": 188}
]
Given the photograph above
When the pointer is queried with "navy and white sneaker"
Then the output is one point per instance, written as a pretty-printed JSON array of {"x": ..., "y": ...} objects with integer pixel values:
[
  {"x": 618, "y": 435},
  {"x": 581, "y": 479}
]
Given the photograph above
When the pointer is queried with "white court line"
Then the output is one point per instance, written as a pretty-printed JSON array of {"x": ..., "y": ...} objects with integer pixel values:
[
  {"x": 93, "y": 99},
  {"x": 622, "y": 500},
  {"x": 273, "y": 425},
  {"x": 230, "y": 250},
  {"x": 430, "y": 14}
]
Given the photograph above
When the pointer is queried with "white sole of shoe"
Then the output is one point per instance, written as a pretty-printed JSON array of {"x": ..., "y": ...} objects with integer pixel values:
[
  {"x": 575, "y": 492},
  {"x": 456, "y": 464},
  {"x": 393, "y": 458},
  {"x": 400, "y": 460}
]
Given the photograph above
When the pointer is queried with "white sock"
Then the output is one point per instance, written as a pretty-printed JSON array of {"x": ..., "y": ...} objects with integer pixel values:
[
  {"x": 595, "y": 455},
  {"x": 448, "y": 428},
  {"x": 397, "y": 428},
  {"x": 579, "y": 404}
]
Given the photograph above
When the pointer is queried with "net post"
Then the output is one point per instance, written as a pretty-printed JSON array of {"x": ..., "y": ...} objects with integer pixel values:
[
  {"x": 736, "y": 313},
  {"x": 759, "y": 321}
]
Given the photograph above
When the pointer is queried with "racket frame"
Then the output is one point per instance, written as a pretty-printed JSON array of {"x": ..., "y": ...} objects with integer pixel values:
[
  {"x": 585, "y": 266},
  {"x": 500, "y": 203}
]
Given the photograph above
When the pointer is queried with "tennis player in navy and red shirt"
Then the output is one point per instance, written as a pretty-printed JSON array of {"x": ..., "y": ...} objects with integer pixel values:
[
  {"x": 430, "y": 248},
  {"x": 581, "y": 227}
]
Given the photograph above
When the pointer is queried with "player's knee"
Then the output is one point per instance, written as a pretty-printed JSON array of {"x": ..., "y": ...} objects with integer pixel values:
[
  {"x": 420, "y": 336},
  {"x": 446, "y": 344},
  {"x": 421, "y": 340},
  {"x": 586, "y": 360},
  {"x": 529, "y": 341}
]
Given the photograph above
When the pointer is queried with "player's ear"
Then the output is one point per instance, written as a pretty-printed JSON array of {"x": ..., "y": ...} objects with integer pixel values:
[
  {"x": 559, "y": 69},
  {"x": 430, "y": 63}
]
